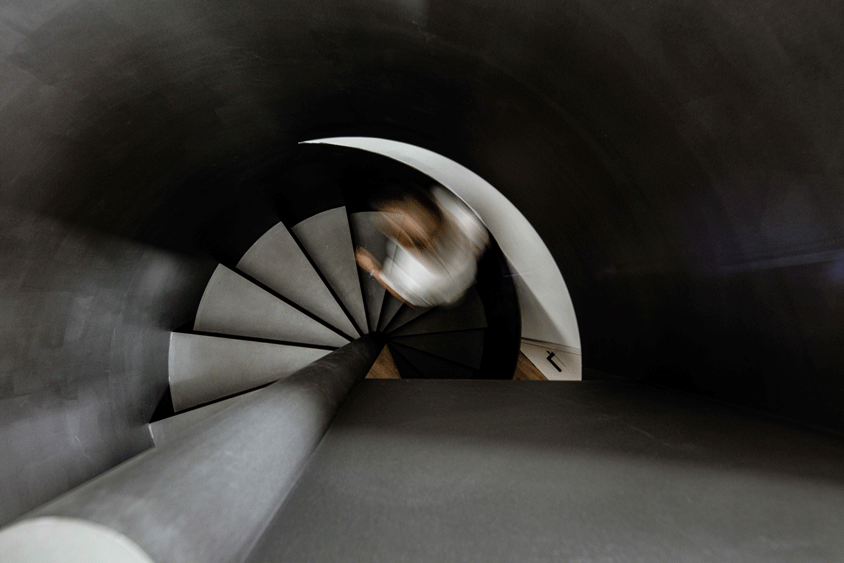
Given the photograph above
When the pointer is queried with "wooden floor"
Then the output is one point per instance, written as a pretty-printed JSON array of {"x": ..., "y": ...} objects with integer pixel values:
[
  {"x": 525, "y": 370},
  {"x": 385, "y": 368}
]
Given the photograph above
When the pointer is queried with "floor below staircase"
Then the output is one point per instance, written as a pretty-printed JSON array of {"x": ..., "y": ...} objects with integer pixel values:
[
  {"x": 479, "y": 471},
  {"x": 385, "y": 368}
]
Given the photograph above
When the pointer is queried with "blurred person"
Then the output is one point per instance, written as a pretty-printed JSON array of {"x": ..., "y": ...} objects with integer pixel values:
[{"x": 437, "y": 240}]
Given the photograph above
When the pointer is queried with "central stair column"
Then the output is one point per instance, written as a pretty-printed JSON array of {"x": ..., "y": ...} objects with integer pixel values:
[{"x": 208, "y": 495}]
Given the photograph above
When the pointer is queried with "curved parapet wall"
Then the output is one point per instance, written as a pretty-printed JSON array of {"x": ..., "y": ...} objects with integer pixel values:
[{"x": 547, "y": 311}]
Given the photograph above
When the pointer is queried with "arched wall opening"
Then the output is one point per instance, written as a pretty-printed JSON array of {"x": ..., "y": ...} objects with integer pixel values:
[{"x": 547, "y": 315}]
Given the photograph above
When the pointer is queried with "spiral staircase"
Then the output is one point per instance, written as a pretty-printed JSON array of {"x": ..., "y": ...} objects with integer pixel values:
[{"x": 295, "y": 296}]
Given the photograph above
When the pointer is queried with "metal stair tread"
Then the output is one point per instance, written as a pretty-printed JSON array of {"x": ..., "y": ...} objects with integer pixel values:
[
  {"x": 462, "y": 347},
  {"x": 389, "y": 308},
  {"x": 469, "y": 314},
  {"x": 170, "y": 428},
  {"x": 327, "y": 239},
  {"x": 233, "y": 305},
  {"x": 277, "y": 261},
  {"x": 406, "y": 369},
  {"x": 433, "y": 367},
  {"x": 206, "y": 368}
]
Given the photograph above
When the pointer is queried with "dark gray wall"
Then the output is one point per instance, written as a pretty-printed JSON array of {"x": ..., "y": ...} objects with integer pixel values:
[
  {"x": 682, "y": 161},
  {"x": 83, "y": 349}
]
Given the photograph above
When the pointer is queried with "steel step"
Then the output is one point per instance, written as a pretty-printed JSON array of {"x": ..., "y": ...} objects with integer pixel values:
[
  {"x": 277, "y": 261},
  {"x": 234, "y": 305},
  {"x": 327, "y": 239},
  {"x": 465, "y": 347},
  {"x": 432, "y": 367},
  {"x": 205, "y": 368}
]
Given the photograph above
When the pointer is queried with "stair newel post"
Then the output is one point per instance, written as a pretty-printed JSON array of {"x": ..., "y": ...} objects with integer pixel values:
[{"x": 208, "y": 495}]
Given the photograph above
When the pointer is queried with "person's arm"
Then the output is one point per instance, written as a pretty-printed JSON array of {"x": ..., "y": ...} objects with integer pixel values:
[{"x": 369, "y": 264}]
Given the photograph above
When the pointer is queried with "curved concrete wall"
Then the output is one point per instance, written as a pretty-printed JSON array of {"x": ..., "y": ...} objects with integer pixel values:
[{"x": 681, "y": 161}]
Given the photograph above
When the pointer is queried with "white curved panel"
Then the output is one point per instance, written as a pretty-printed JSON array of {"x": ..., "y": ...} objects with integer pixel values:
[{"x": 546, "y": 307}]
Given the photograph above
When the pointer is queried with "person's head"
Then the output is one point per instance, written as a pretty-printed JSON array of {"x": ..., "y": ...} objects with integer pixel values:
[{"x": 411, "y": 217}]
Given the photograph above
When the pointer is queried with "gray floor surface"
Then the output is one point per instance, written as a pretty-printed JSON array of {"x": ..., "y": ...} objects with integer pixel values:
[{"x": 438, "y": 470}]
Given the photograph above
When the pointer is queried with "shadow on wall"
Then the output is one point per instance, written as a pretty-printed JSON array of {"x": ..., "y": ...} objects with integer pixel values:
[{"x": 84, "y": 333}]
